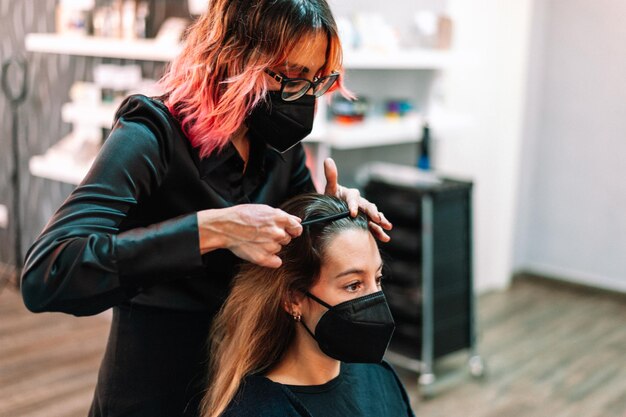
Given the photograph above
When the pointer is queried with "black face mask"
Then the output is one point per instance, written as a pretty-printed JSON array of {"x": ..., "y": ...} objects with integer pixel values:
[
  {"x": 357, "y": 330},
  {"x": 282, "y": 124}
]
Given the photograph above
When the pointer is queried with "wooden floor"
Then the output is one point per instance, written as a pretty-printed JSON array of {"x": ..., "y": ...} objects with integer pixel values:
[{"x": 551, "y": 351}]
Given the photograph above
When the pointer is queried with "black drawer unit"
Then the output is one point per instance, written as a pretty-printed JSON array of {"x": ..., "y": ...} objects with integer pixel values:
[{"x": 429, "y": 265}]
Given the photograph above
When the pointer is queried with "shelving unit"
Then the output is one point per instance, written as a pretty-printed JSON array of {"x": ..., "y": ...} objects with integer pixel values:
[{"x": 371, "y": 132}]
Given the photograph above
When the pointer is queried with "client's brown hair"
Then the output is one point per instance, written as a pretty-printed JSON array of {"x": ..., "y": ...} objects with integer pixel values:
[{"x": 252, "y": 330}]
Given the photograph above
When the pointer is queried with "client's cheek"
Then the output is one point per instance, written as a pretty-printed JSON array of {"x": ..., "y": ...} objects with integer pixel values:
[{"x": 315, "y": 316}]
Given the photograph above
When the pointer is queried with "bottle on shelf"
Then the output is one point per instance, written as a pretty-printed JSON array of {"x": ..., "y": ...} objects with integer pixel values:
[
  {"x": 73, "y": 17},
  {"x": 423, "y": 161}
]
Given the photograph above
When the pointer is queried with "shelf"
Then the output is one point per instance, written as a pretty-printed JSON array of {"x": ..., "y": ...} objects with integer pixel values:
[
  {"x": 376, "y": 131},
  {"x": 101, "y": 116},
  {"x": 139, "y": 49},
  {"x": 67, "y": 161},
  {"x": 404, "y": 59},
  {"x": 153, "y": 50}
]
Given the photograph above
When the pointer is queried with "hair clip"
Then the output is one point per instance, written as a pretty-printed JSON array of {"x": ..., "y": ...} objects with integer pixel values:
[{"x": 330, "y": 218}]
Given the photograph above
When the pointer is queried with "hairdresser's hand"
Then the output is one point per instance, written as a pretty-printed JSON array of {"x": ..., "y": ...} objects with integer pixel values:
[
  {"x": 352, "y": 196},
  {"x": 254, "y": 232}
]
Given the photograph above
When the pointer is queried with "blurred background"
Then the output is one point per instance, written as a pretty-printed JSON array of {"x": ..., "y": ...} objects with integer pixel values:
[{"x": 492, "y": 132}]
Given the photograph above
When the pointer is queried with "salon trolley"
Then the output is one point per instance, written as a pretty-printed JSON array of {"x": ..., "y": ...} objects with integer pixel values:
[{"x": 429, "y": 263}]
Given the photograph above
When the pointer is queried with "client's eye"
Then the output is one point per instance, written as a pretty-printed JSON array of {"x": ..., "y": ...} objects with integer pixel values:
[
  {"x": 354, "y": 286},
  {"x": 379, "y": 281}
]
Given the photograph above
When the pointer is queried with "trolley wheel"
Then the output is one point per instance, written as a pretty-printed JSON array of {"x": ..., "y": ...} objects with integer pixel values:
[
  {"x": 477, "y": 368},
  {"x": 426, "y": 383}
]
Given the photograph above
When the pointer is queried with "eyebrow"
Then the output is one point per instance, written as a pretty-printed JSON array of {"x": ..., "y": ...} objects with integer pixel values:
[
  {"x": 302, "y": 68},
  {"x": 355, "y": 271},
  {"x": 294, "y": 67}
]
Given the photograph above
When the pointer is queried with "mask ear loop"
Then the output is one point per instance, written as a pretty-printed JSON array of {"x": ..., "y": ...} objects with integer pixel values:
[
  {"x": 319, "y": 301},
  {"x": 307, "y": 329}
]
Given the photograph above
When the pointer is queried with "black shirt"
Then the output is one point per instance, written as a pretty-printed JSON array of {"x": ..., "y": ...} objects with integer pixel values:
[
  {"x": 366, "y": 390},
  {"x": 129, "y": 230}
]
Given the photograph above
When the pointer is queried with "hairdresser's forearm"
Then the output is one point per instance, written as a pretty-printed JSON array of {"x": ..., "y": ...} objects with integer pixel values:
[{"x": 80, "y": 267}]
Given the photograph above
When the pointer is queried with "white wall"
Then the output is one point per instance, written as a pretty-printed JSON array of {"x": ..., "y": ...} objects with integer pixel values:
[
  {"x": 573, "y": 195},
  {"x": 488, "y": 84},
  {"x": 485, "y": 90},
  {"x": 540, "y": 90}
]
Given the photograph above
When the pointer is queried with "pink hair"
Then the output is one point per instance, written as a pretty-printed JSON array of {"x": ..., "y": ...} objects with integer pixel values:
[{"x": 219, "y": 76}]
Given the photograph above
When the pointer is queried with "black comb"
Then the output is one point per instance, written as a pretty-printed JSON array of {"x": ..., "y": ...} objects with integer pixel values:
[{"x": 330, "y": 218}]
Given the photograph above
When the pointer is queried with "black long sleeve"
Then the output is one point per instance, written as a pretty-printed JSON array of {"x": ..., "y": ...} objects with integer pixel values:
[
  {"x": 81, "y": 263},
  {"x": 130, "y": 228}
]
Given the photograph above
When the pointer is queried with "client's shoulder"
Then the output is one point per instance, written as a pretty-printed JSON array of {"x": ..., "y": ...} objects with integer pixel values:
[
  {"x": 260, "y": 397},
  {"x": 369, "y": 369}
]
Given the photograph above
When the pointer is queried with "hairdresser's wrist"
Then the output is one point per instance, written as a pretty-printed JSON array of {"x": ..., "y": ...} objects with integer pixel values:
[{"x": 209, "y": 233}]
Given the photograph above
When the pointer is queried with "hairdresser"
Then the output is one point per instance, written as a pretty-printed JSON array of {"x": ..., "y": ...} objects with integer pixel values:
[{"x": 183, "y": 190}]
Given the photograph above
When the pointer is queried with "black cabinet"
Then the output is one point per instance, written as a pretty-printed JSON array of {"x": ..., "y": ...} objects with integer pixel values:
[{"x": 429, "y": 270}]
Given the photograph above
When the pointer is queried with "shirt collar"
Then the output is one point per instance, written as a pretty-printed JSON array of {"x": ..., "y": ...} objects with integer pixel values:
[
  {"x": 259, "y": 154},
  {"x": 210, "y": 163}
]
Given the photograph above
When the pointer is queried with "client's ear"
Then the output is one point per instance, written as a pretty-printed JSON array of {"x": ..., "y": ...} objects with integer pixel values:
[{"x": 293, "y": 302}]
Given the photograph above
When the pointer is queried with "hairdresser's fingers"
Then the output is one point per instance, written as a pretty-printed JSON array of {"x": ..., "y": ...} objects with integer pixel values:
[
  {"x": 386, "y": 224},
  {"x": 260, "y": 223},
  {"x": 271, "y": 261},
  {"x": 283, "y": 237},
  {"x": 273, "y": 248},
  {"x": 370, "y": 210},
  {"x": 263, "y": 255},
  {"x": 291, "y": 224},
  {"x": 294, "y": 231},
  {"x": 269, "y": 244},
  {"x": 352, "y": 197},
  {"x": 374, "y": 214},
  {"x": 379, "y": 232},
  {"x": 331, "y": 174}
]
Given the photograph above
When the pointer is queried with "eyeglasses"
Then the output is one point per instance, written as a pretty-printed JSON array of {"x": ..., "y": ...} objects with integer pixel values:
[{"x": 293, "y": 88}]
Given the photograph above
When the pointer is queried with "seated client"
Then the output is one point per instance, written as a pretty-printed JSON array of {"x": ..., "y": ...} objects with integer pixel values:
[{"x": 308, "y": 338}]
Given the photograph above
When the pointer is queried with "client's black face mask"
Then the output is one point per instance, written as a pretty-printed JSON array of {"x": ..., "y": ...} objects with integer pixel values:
[
  {"x": 282, "y": 124},
  {"x": 357, "y": 330}
]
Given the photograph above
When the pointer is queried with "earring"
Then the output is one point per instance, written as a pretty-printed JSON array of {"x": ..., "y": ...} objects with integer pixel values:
[{"x": 296, "y": 317}]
